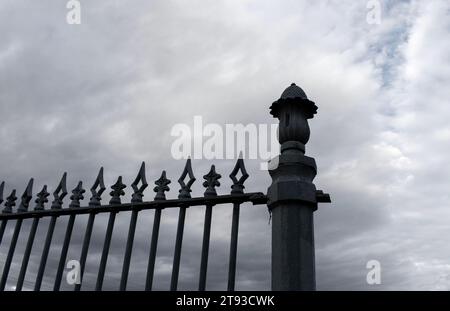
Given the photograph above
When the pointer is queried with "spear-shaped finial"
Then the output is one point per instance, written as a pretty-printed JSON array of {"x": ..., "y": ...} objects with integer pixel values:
[
  {"x": 185, "y": 191},
  {"x": 60, "y": 192},
  {"x": 139, "y": 191},
  {"x": 238, "y": 184},
  {"x": 97, "y": 189},
  {"x": 26, "y": 197}
]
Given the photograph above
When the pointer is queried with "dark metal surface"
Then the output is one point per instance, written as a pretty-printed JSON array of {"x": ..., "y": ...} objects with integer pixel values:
[
  {"x": 233, "y": 247},
  {"x": 26, "y": 255},
  {"x": 2, "y": 229},
  {"x": 292, "y": 196},
  {"x": 4, "y": 222},
  {"x": 44, "y": 256},
  {"x": 9, "y": 204},
  {"x": 136, "y": 198},
  {"x": 293, "y": 91},
  {"x": 236, "y": 188},
  {"x": 128, "y": 249},
  {"x": 64, "y": 250},
  {"x": 177, "y": 252},
  {"x": 85, "y": 248},
  {"x": 60, "y": 192},
  {"x": 139, "y": 191},
  {"x": 162, "y": 185},
  {"x": 26, "y": 197},
  {"x": 97, "y": 189},
  {"x": 205, "y": 248},
  {"x": 105, "y": 252},
  {"x": 77, "y": 195},
  {"x": 41, "y": 199},
  {"x": 117, "y": 192},
  {"x": 238, "y": 184},
  {"x": 12, "y": 247},
  {"x": 2, "y": 188},
  {"x": 153, "y": 247},
  {"x": 211, "y": 182},
  {"x": 185, "y": 191}
]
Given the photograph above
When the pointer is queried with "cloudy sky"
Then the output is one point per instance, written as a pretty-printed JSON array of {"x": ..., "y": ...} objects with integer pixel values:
[{"x": 108, "y": 91}]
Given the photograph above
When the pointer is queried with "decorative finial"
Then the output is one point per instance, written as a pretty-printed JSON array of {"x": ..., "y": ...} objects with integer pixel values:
[
  {"x": 139, "y": 191},
  {"x": 161, "y": 187},
  {"x": 97, "y": 189},
  {"x": 26, "y": 197},
  {"x": 60, "y": 193},
  {"x": 117, "y": 192},
  {"x": 211, "y": 182},
  {"x": 293, "y": 109},
  {"x": 185, "y": 191},
  {"x": 77, "y": 195},
  {"x": 41, "y": 199},
  {"x": 10, "y": 202},
  {"x": 238, "y": 184}
]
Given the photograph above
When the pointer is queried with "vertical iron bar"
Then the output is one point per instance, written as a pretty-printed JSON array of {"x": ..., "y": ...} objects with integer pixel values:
[
  {"x": 233, "y": 247},
  {"x": 64, "y": 250},
  {"x": 205, "y": 248},
  {"x": 9, "y": 258},
  {"x": 2, "y": 229},
  {"x": 177, "y": 254},
  {"x": 128, "y": 249},
  {"x": 48, "y": 240},
  {"x": 153, "y": 247},
  {"x": 106, "y": 244},
  {"x": 26, "y": 255},
  {"x": 85, "y": 248}
]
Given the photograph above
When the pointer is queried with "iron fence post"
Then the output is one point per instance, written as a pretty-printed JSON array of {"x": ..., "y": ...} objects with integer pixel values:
[{"x": 292, "y": 195}]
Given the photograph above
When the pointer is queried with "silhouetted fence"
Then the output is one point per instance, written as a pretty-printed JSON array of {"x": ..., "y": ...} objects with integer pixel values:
[
  {"x": 292, "y": 198},
  {"x": 210, "y": 199}
]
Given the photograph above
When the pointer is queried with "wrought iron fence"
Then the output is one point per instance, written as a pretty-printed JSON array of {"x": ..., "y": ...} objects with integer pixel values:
[
  {"x": 236, "y": 197},
  {"x": 292, "y": 198}
]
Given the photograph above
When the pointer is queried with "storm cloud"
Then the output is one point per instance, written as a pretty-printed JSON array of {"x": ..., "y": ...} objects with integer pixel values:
[{"x": 107, "y": 93}]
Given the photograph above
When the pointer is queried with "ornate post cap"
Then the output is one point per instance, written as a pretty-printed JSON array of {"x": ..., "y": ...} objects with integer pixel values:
[
  {"x": 293, "y": 109},
  {"x": 292, "y": 172}
]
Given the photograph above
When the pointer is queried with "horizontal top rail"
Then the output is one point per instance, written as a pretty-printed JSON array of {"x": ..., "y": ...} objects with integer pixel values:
[{"x": 257, "y": 198}]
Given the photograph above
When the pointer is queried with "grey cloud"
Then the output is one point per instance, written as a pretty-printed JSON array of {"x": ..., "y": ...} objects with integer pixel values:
[{"x": 107, "y": 93}]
